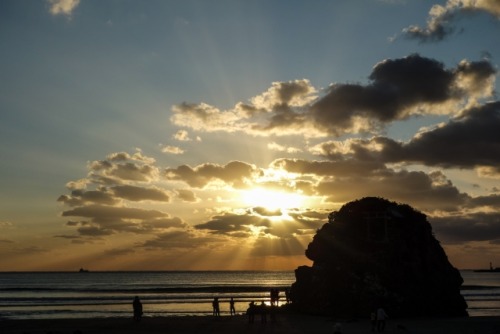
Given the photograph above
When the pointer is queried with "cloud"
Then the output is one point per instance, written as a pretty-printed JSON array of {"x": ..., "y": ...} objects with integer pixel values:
[
  {"x": 62, "y": 7},
  {"x": 440, "y": 23},
  {"x": 470, "y": 140},
  {"x": 122, "y": 167},
  {"x": 187, "y": 195},
  {"x": 398, "y": 89},
  {"x": 263, "y": 223},
  {"x": 467, "y": 141},
  {"x": 235, "y": 173},
  {"x": 182, "y": 135},
  {"x": 112, "y": 212},
  {"x": 172, "y": 149},
  {"x": 114, "y": 195},
  {"x": 82, "y": 197},
  {"x": 134, "y": 193},
  {"x": 481, "y": 226},
  {"x": 103, "y": 225},
  {"x": 240, "y": 225},
  {"x": 266, "y": 212},
  {"x": 345, "y": 180},
  {"x": 281, "y": 148},
  {"x": 401, "y": 88},
  {"x": 295, "y": 93}
]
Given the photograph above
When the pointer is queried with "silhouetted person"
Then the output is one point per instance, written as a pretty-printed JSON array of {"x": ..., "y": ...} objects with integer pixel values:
[
  {"x": 381, "y": 317},
  {"x": 137, "y": 306},
  {"x": 251, "y": 312},
  {"x": 287, "y": 295},
  {"x": 263, "y": 312},
  {"x": 275, "y": 296},
  {"x": 232, "y": 310},
  {"x": 215, "y": 305}
]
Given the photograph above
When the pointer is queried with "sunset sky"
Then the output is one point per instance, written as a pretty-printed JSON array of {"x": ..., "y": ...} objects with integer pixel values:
[{"x": 212, "y": 135}]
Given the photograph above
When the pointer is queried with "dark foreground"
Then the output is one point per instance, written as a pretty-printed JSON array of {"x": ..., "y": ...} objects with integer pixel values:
[{"x": 285, "y": 324}]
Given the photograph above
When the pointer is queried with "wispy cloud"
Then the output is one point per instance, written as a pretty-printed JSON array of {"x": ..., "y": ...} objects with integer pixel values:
[
  {"x": 63, "y": 7},
  {"x": 441, "y": 21},
  {"x": 172, "y": 149}
]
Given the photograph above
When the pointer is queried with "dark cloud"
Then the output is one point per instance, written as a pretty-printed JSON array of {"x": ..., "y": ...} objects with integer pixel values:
[
  {"x": 338, "y": 168},
  {"x": 469, "y": 141},
  {"x": 424, "y": 191},
  {"x": 78, "y": 239},
  {"x": 82, "y": 197},
  {"x": 440, "y": 23},
  {"x": 102, "y": 226},
  {"x": 132, "y": 172},
  {"x": 310, "y": 219},
  {"x": 341, "y": 184},
  {"x": 94, "y": 231},
  {"x": 266, "y": 212},
  {"x": 254, "y": 224},
  {"x": 134, "y": 193},
  {"x": 103, "y": 211},
  {"x": 398, "y": 89},
  {"x": 481, "y": 226},
  {"x": 121, "y": 166},
  {"x": 164, "y": 223},
  {"x": 229, "y": 223},
  {"x": 187, "y": 195},
  {"x": 235, "y": 173}
]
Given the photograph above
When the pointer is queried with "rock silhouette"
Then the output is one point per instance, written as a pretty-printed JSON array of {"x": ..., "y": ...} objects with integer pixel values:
[{"x": 372, "y": 253}]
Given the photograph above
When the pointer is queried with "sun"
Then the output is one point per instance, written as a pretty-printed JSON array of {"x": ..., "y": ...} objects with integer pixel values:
[{"x": 272, "y": 199}]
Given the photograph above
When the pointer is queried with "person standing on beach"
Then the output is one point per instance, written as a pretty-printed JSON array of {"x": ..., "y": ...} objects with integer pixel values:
[
  {"x": 137, "y": 306},
  {"x": 381, "y": 317},
  {"x": 215, "y": 305},
  {"x": 232, "y": 310},
  {"x": 251, "y": 312}
]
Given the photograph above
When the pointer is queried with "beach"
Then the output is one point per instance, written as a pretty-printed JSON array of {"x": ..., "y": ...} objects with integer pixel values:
[{"x": 288, "y": 324}]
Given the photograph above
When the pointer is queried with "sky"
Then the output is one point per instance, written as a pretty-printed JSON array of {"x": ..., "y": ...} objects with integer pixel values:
[{"x": 219, "y": 135}]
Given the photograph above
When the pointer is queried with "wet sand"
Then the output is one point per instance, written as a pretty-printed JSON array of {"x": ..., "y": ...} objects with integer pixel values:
[{"x": 285, "y": 324}]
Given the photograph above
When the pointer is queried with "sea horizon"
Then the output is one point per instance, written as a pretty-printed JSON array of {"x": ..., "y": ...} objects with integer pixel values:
[{"x": 74, "y": 294}]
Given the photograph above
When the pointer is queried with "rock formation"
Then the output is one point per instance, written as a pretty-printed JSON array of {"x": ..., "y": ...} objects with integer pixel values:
[{"x": 372, "y": 253}]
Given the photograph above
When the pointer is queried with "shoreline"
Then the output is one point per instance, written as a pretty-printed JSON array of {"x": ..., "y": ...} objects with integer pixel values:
[{"x": 285, "y": 323}]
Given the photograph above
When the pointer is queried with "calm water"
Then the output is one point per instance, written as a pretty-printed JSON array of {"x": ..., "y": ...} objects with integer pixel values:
[{"x": 109, "y": 294}]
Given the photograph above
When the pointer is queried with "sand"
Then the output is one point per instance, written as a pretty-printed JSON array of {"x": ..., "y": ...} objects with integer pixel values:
[{"x": 289, "y": 324}]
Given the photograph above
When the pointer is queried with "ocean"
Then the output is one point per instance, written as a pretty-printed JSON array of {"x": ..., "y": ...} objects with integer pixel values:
[{"x": 46, "y": 295}]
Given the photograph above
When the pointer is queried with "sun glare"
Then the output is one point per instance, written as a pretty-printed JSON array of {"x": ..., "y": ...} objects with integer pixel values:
[{"x": 271, "y": 199}]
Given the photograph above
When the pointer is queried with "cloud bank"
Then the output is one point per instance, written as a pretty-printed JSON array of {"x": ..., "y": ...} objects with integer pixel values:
[{"x": 345, "y": 156}]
